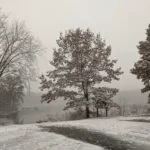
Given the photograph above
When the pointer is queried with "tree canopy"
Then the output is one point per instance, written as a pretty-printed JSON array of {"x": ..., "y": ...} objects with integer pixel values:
[
  {"x": 102, "y": 98},
  {"x": 18, "y": 49},
  {"x": 81, "y": 61},
  {"x": 142, "y": 67}
]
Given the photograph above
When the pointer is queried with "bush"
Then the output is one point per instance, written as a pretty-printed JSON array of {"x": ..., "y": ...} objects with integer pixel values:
[
  {"x": 4, "y": 121},
  {"x": 76, "y": 115}
]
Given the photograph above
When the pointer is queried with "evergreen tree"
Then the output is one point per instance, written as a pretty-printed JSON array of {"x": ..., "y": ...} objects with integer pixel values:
[
  {"x": 142, "y": 67},
  {"x": 81, "y": 61}
]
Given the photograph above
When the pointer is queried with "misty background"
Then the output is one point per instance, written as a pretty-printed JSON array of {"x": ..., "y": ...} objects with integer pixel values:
[{"x": 121, "y": 23}]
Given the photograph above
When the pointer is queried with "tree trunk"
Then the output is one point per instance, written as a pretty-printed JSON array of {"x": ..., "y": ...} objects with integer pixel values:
[
  {"x": 85, "y": 89},
  {"x": 87, "y": 107},
  {"x": 87, "y": 112},
  {"x": 106, "y": 109},
  {"x": 97, "y": 112}
]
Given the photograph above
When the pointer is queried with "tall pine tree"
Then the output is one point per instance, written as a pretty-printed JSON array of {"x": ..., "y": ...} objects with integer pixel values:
[{"x": 142, "y": 67}]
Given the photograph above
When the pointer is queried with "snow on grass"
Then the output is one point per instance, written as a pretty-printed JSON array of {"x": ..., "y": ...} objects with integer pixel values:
[
  {"x": 30, "y": 137},
  {"x": 119, "y": 127}
]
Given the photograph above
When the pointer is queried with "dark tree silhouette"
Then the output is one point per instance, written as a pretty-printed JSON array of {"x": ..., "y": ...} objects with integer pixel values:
[{"x": 142, "y": 67}]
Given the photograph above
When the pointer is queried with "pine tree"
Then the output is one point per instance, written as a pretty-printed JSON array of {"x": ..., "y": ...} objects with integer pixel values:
[
  {"x": 80, "y": 62},
  {"x": 142, "y": 67}
]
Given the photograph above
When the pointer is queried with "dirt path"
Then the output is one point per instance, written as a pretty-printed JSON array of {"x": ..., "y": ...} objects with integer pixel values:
[{"x": 97, "y": 138}]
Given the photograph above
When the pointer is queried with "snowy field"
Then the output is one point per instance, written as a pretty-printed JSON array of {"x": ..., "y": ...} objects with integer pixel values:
[
  {"x": 31, "y": 137},
  {"x": 122, "y": 128}
]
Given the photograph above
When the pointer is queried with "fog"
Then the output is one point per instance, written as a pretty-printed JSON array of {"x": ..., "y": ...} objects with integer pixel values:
[{"x": 122, "y": 24}]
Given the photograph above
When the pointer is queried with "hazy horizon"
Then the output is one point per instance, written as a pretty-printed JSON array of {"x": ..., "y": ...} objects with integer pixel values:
[{"x": 121, "y": 23}]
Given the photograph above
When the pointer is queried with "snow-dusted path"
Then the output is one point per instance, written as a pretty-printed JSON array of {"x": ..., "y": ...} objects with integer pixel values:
[{"x": 30, "y": 137}]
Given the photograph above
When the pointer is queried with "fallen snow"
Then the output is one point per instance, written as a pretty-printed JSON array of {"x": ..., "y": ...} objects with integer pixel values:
[
  {"x": 30, "y": 137},
  {"x": 119, "y": 127}
]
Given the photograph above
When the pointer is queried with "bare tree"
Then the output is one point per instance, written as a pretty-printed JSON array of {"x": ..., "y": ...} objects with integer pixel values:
[{"x": 18, "y": 49}]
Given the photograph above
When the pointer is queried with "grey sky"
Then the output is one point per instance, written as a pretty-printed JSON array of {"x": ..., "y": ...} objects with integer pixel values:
[{"x": 122, "y": 24}]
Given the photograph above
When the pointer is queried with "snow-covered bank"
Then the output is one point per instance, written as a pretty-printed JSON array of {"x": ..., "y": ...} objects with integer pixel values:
[{"x": 30, "y": 137}]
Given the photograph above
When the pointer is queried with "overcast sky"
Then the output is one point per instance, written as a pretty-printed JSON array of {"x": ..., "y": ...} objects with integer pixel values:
[{"x": 122, "y": 24}]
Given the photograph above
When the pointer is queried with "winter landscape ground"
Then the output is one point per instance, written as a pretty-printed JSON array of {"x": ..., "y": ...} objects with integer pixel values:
[{"x": 118, "y": 133}]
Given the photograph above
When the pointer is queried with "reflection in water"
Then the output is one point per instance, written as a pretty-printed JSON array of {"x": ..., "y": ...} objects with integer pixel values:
[
  {"x": 27, "y": 115},
  {"x": 33, "y": 114}
]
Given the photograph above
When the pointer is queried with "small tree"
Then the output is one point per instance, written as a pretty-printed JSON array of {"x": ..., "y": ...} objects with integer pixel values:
[
  {"x": 102, "y": 98},
  {"x": 80, "y": 62},
  {"x": 142, "y": 67}
]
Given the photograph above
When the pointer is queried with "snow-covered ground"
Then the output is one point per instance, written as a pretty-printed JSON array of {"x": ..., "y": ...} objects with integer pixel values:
[
  {"x": 30, "y": 137},
  {"x": 119, "y": 127}
]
